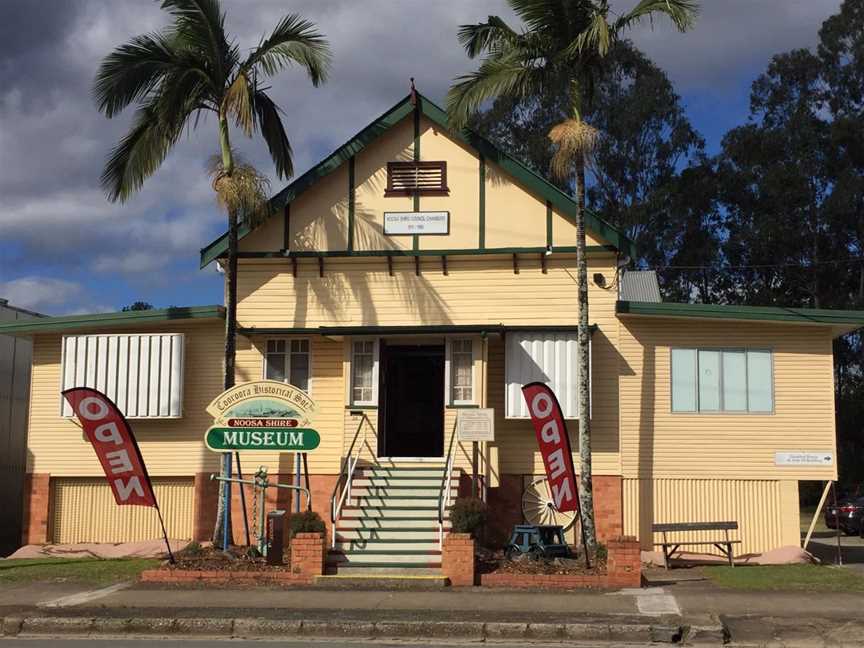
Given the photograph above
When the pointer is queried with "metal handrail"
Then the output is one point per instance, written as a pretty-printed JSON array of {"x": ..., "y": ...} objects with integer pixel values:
[
  {"x": 346, "y": 475},
  {"x": 444, "y": 502}
]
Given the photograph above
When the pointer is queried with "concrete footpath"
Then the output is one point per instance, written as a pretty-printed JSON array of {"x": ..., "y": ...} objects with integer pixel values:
[{"x": 691, "y": 613}]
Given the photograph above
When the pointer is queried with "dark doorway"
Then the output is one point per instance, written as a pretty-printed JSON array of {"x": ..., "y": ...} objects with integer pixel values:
[{"x": 412, "y": 403}]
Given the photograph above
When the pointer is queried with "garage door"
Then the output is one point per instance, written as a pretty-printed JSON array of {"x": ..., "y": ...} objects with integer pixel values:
[{"x": 84, "y": 511}]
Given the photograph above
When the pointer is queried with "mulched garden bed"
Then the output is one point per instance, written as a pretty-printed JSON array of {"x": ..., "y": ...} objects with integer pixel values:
[
  {"x": 237, "y": 559},
  {"x": 494, "y": 562}
]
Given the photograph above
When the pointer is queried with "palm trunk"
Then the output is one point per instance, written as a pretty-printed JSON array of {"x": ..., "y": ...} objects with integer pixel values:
[
  {"x": 586, "y": 488},
  {"x": 223, "y": 512}
]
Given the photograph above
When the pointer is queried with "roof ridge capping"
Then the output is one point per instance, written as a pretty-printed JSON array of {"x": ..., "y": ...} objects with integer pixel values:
[
  {"x": 530, "y": 178},
  {"x": 116, "y": 318}
]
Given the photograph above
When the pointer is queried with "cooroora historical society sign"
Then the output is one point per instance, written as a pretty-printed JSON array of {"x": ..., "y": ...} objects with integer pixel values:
[{"x": 262, "y": 415}]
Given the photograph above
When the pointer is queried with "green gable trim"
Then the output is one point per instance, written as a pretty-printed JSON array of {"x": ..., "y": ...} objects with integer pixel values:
[
  {"x": 128, "y": 318},
  {"x": 749, "y": 313},
  {"x": 429, "y": 329},
  {"x": 531, "y": 180}
]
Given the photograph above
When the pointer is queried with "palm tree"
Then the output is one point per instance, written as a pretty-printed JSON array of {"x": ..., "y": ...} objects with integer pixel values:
[
  {"x": 177, "y": 76},
  {"x": 560, "y": 50}
]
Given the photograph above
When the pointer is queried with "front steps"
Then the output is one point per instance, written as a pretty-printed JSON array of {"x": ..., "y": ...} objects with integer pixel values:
[{"x": 390, "y": 525}]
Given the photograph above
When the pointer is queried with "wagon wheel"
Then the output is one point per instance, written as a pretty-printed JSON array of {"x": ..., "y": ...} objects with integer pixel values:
[{"x": 538, "y": 507}]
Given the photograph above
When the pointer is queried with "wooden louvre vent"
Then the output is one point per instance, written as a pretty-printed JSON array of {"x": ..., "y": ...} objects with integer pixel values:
[{"x": 423, "y": 178}]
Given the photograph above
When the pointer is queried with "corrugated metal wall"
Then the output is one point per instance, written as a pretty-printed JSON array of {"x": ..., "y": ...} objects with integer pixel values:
[
  {"x": 766, "y": 510},
  {"x": 142, "y": 374},
  {"x": 545, "y": 357},
  {"x": 15, "y": 356},
  {"x": 84, "y": 511}
]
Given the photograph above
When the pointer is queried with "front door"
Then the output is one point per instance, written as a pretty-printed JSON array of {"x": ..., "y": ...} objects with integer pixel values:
[{"x": 412, "y": 407}]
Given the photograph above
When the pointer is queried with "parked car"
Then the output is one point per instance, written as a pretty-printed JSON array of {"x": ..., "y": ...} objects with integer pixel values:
[{"x": 848, "y": 514}]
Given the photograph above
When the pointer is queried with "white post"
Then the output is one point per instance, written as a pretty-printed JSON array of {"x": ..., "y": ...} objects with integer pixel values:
[{"x": 816, "y": 514}]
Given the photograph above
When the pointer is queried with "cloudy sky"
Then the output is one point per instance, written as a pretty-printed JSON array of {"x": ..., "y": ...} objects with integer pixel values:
[{"x": 65, "y": 249}]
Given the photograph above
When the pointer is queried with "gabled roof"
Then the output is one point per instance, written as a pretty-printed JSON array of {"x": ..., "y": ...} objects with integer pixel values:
[
  {"x": 842, "y": 321},
  {"x": 123, "y": 318},
  {"x": 397, "y": 113}
]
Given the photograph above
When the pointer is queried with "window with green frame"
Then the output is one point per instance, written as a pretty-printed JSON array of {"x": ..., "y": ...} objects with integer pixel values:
[{"x": 722, "y": 380}]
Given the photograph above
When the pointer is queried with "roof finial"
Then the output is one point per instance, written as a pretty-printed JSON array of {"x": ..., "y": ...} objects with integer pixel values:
[{"x": 413, "y": 93}]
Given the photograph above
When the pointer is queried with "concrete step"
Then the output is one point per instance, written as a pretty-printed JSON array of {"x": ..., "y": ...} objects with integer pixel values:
[
  {"x": 399, "y": 491},
  {"x": 395, "y": 578},
  {"x": 429, "y": 532},
  {"x": 350, "y": 523},
  {"x": 404, "y": 501},
  {"x": 426, "y": 512},
  {"x": 385, "y": 558},
  {"x": 376, "y": 570},
  {"x": 422, "y": 545},
  {"x": 401, "y": 482},
  {"x": 378, "y": 471}
]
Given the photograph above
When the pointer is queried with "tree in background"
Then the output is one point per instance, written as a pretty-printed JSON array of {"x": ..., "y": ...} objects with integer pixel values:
[
  {"x": 644, "y": 139},
  {"x": 137, "y": 306},
  {"x": 562, "y": 50},
  {"x": 177, "y": 76}
]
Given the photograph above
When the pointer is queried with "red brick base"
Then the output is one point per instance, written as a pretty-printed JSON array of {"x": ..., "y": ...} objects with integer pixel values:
[
  {"x": 307, "y": 561},
  {"x": 457, "y": 559},
  {"x": 505, "y": 507},
  {"x": 37, "y": 502}
]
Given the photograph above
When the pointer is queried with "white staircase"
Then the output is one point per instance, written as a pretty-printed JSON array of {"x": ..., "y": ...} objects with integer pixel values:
[{"x": 389, "y": 523}]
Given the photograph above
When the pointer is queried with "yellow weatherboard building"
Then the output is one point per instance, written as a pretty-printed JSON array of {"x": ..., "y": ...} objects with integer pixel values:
[{"x": 413, "y": 274}]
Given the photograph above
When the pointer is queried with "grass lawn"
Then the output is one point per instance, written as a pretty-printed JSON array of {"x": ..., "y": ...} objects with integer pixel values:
[
  {"x": 78, "y": 570},
  {"x": 810, "y": 578}
]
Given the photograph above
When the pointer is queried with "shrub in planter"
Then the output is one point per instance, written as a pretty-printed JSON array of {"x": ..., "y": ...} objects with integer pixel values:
[
  {"x": 305, "y": 522},
  {"x": 468, "y": 515}
]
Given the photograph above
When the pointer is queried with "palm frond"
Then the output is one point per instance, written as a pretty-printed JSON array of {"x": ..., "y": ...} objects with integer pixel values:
[
  {"x": 683, "y": 13},
  {"x": 573, "y": 138},
  {"x": 595, "y": 39},
  {"x": 199, "y": 25},
  {"x": 237, "y": 102},
  {"x": 131, "y": 71},
  {"x": 270, "y": 124},
  {"x": 481, "y": 38},
  {"x": 294, "y": 40},
  {"x": 513, "y": 74},
  {"x": 244, "y": 192},
  {"x": 138, "y": 155}
]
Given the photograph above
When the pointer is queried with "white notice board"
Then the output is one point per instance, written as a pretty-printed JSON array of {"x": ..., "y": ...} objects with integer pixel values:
[{"x": 476, "y": 424}]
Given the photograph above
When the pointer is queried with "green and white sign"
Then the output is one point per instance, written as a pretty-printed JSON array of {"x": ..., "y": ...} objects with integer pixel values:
[
  {"x": 262, "y": 415},
  {"x": 221, "y": 439}
]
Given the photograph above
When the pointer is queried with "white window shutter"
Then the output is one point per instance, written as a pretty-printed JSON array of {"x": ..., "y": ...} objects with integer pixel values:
[
  {"x": 142, "y": 374},
  {"x": 550, "y": 358}
]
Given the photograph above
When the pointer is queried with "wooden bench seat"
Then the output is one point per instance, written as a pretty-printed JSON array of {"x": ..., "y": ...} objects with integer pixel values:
[{"x": 670, "y": 547}]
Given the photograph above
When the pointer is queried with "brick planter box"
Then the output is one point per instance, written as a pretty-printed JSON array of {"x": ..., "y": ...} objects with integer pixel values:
[
  {"x": 623, "y": 569},
  {"x": 307, "y": 562},
  {"x": 457, "y": 559}
]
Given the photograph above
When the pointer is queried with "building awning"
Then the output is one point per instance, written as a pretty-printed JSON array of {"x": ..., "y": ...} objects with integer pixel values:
[
  {"x": 840, "y": 321},
  {"x": 110, "y": 320},
  {"x": 435, "y": 329}
]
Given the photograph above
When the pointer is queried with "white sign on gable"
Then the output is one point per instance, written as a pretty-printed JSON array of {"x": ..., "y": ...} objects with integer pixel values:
[
  {"x": 803, "y": 458},
  {"x": 399, "y": 223},
  {"x": 476, "y": 424}
]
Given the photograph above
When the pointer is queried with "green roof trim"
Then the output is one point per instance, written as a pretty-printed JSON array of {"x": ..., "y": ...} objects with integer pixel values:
[
  {"x": 125, "y": 318},
  {"x": 847, "y": 319},
  {"x": 533, "y": 181}
]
